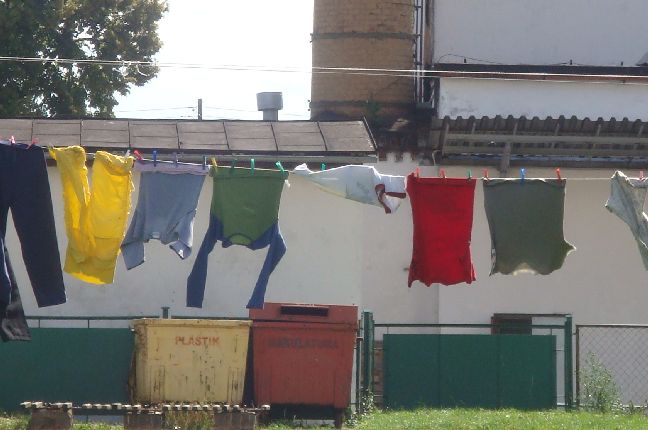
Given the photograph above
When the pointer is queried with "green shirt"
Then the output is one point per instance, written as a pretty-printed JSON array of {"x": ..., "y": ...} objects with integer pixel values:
[
  {"x": 526, "y": 224},
  {"x": 246, "y": 202}
]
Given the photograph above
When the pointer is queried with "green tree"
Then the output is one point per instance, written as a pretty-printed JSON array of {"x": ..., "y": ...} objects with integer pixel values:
[{"x": 120, "y": 30}]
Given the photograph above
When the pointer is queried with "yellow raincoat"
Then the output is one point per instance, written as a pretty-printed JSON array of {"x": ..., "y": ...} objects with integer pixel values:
[{"x": 95, "y": 221}]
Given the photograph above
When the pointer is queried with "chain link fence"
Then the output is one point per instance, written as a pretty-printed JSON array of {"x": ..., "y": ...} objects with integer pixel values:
[{"x": 621, "y": 350}]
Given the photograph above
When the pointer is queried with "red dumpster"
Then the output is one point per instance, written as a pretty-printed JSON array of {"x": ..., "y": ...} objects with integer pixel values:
[{"x": 303, "y": 354}]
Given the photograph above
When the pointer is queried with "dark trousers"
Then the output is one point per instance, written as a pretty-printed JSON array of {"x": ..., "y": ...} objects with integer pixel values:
[{"x": 24, "y": 188}]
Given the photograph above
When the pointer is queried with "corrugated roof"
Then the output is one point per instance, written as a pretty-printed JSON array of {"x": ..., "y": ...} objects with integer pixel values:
[
  {"x": 297, "y": 139},
  {"x": 568, "y": 138}
]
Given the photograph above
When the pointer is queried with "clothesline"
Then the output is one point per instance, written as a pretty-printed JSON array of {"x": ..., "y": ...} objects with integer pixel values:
[{"x": 166, "y": 158}]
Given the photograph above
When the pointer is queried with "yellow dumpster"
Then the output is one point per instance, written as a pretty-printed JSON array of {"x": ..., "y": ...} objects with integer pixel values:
[{"x": 190, "y": 360}]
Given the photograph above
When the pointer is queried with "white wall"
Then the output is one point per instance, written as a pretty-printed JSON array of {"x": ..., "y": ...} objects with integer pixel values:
[
  {"x": 490, "y": 97},
  {"x": 603, "y": 281},
  {"x": 347, "y": 253},
  {"x": 589, "y": 32},
  {"x": 321, "y": 264}
]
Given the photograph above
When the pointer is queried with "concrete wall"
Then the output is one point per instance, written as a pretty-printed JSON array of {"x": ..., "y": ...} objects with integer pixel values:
[
  {"x": 491, "y": 97},
  {"x": 589, "y": 32},
  {"x": 347, "y": 253},
  {"x": 335, "y": 246}
]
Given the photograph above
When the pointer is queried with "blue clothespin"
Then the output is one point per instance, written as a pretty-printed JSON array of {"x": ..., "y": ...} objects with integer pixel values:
[
  {"x": 323, "y": 167},
  {"x": 278, "y": 164},
  {"x": 252, "y": 165},
  {"x": 154, "y": 158},
  {"x": 522, "y": 175}
]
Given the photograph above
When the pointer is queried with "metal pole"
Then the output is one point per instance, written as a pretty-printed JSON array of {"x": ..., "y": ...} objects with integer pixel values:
[
  {"x": 357, "y": 375},
  {"x": 569, "y": 369},
  {"x": 200, "y": 109},
  {"x": 368, "y": 350},
  {"x": 577, "y": 366}
]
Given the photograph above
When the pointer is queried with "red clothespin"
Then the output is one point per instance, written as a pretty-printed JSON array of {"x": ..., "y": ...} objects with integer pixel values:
[
  {"x": 417, "y": 172},
  {"x": 12, "y": 140},
  {"x": 138, "y": 155},
  {"x": 558, "y": 174},
  {"x": 486, "y": 174},
  {"x": 442, "y": 173}
]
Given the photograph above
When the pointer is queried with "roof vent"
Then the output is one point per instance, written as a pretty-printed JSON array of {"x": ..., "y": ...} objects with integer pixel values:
[
  {"x": 270, "y": 104},
  {"x": 644, "y": 60}
]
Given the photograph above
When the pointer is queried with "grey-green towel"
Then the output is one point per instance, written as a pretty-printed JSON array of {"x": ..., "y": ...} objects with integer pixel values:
[{"x": 526, "y": 225}]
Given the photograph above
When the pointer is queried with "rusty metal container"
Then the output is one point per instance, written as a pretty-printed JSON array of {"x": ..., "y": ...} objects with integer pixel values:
[
  {"x": 303, "y": 354},
  {"x": 190, "y": 360}
]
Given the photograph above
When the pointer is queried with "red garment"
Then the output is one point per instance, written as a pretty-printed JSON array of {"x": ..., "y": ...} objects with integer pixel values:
[{"x": 442, "y": 210}]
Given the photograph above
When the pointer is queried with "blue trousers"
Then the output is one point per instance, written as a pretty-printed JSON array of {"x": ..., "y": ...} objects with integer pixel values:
[{"x": 24, "y": 188}]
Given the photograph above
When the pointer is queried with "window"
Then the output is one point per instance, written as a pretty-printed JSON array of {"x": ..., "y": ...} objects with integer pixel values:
[{"x": 511, "y": 324}]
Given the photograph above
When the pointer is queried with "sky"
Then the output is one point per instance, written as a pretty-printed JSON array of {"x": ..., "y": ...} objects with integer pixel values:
[{"x": 224, "y": 32}]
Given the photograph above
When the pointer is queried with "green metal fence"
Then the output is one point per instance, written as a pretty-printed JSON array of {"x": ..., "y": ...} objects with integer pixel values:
[
  {"x": 66, "y": 364},
  {"x": 512, "y": 370}
]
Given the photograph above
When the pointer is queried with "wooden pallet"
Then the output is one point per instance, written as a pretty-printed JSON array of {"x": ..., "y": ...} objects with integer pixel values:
[{"x": 59, "y": 415}]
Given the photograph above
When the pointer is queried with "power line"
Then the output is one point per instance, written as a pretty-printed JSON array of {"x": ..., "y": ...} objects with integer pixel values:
[
  {"x": 156, "y": 109},
  {"x": 226, "y": 67},
  {"x": 250, "y": 110}
]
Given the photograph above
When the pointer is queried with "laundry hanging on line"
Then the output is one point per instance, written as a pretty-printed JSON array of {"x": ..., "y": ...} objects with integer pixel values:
[
  {"x": 244, "y": 211},
  {"x": 25, "y": 189},
  {"x": 525, "y": 219},
  {"x": 627, "y": 199},
  {"x": 442, "y": 214},
  {"x": 362, "y": 184},
  {"x": 166, "y": 208},
  {"x": 95, "y": 220}
]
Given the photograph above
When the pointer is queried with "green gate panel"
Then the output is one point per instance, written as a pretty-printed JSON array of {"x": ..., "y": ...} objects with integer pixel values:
[
  {"x": 413, "y": 363},
  {"x": 66, "y": 364},
  {"x": 468, "y": 376},
  {"x": 527, "y": 372},
  {"x": 485, "y": 371}
]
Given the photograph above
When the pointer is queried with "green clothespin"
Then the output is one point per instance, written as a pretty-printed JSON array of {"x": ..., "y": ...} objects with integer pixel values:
[
  {"x": 278, "y": 164},
  {"x": 232, "y": 166},
  {"x": 469, "y": 174},
  {"x": 252, "y": 165},
  {"x": 323, "y": 167}
]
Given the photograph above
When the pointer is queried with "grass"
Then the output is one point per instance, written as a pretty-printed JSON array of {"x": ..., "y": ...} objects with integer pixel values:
[
  {"x": 445, "y": 419},
  {"x": 507, "y": 419}
]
